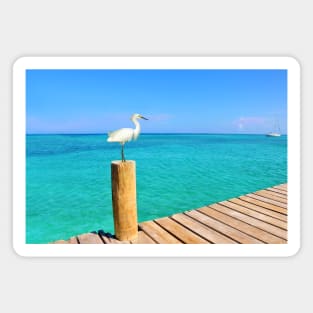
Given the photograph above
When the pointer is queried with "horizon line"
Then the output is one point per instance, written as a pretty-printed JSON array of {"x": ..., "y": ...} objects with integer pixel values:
[{"x": 153, "y": 133}]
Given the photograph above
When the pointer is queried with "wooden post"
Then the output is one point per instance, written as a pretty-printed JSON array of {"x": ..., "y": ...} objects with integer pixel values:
[{"x": 123, "y": 175}]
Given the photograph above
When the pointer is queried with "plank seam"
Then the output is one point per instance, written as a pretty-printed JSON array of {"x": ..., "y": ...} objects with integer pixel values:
[
  {"x": 277, "y": 194},
  {"x": 210, "y": 227},
  {"x": 242, "y": 231},
  {"x": 278, "y": 203},
  {"x": 269, "y": 198},
  {"x": 265, "y": 203},
  {"x": 154, "y": 221},
  {"x": 140, "y": 228},
  {"x": 248, "y": 222},
  {"x": 248, "y": 203},
  {"x": 254, "y": 216},
  {"x": 188, "y": 228},
  {"x": 149, "y": 236},
  {"x": 102, "y": 238},
  {"x": 170, "y": 232}
]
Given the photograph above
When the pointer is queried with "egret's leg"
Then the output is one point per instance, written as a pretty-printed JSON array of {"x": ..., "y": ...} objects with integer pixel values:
[{"x": 123, "y": 157}]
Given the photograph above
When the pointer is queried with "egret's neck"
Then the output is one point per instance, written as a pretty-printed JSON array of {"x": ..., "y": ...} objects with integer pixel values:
[{"x": 137, "y": 128}]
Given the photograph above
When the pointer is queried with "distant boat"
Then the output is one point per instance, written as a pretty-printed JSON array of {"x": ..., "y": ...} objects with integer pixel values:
[{"x": 275, "y": 133}]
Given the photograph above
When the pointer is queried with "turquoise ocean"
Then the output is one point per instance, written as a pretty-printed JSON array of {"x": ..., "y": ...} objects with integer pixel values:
[{"x": 68, "y": 178}]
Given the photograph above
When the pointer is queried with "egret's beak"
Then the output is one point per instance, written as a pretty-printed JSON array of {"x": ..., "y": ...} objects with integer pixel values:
[{"x": 143, "y": 117}]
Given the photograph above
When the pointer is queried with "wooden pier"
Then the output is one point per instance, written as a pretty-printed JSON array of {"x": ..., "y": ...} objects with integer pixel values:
[{"x": 254, "y": 218}]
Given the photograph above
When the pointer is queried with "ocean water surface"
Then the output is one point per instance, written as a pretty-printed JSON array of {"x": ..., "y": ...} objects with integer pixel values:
[{"x": 68, "y": 178}]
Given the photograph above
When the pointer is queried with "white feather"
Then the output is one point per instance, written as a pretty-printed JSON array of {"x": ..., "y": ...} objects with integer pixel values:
[
  {"x": 121, "y": 135},
  {"x": 126, "y": 134}
]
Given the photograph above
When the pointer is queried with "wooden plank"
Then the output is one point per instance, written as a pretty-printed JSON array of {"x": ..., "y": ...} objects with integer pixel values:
[
  {"x": 201, "y": 230},
  {"x": 60, "y": 242},
  {"x": 250, "y": 220},
  {"x": 223, "y": 228},
  {"x": 260, "y": 209},
  {"x": 73, "y": 240},
  {"x": 109, "y": 239},
  {"x": 272, "y": 196},
  {"x": 242, "y": 226},
  {"x": 254, "y": 214},
  {"x": 281, "y": 187},
  {"x": 278, "y": 191},
  {"x": 261, "y": 198},
  {"x": 274, "y": 193},
  {"x": 157, "y": 233},
  {"x": 143, "y": 238},
  {"x": 89, "y": 238},
  {"x": 180, "y": 231},
  {"x": 264, "y": 204}
]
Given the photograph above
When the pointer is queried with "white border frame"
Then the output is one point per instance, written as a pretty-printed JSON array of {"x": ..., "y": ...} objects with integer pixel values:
[{"x": 149, "y": 250}]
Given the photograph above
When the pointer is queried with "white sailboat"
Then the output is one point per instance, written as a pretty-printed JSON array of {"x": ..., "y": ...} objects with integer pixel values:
[
  {"x": 272, "y": 134},
  {"x": 275, "y": 133}
]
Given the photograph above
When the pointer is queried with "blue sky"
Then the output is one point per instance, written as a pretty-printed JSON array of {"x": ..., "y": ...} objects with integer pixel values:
[{"x": 189, "y": 101}]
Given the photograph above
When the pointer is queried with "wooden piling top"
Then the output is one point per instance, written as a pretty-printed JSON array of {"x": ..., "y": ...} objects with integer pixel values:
[{"x": 255, "y": 218}]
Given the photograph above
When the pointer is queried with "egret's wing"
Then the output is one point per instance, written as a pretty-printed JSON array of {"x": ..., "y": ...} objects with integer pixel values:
[{"x": 121, "y": 135}]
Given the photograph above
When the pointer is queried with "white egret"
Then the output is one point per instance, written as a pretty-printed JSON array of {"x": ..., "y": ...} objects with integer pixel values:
[{"x": 126, "y": 134}]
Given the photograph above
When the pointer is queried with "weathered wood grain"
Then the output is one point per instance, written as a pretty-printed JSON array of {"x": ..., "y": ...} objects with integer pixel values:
[
  {"x": 157, "y": 233},
  {"x": 201, "y": 230},
  {"x": 179, "y": 231}
]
